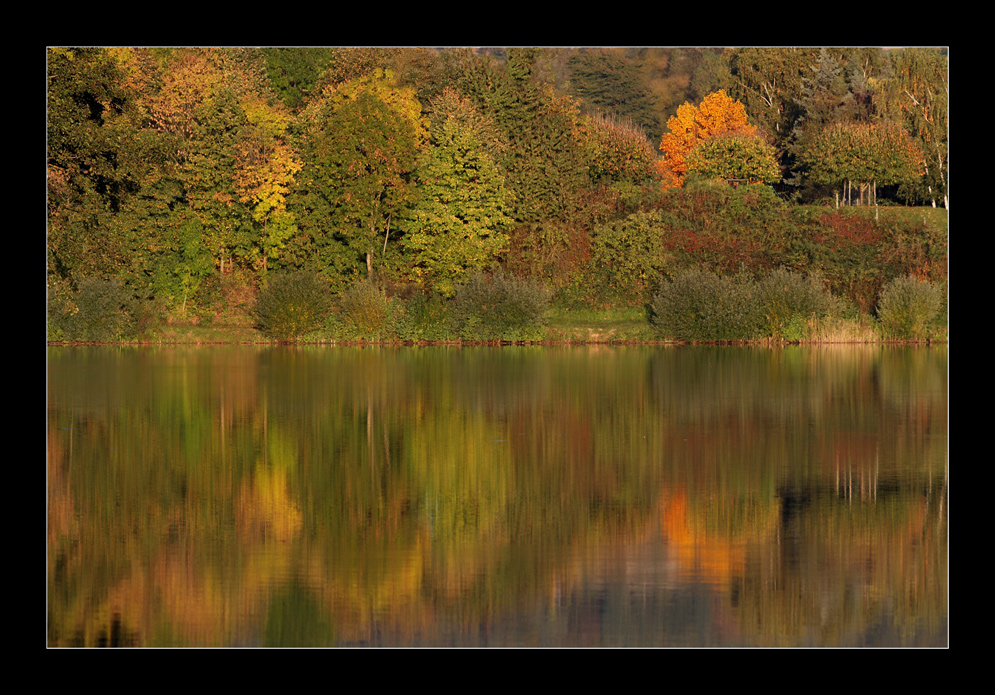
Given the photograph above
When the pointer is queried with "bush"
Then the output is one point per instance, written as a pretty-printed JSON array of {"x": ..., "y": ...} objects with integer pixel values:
[
  {"x": 425, "y": 317},
  {"x": 292, "y": 304},
  {"x": 787, "y": 299},
  {"x": 627, "y": 257},
  {"x": 908, "y": 306},
  {"x": 700, "y": 305},
  {"x": 100, "y": 311},
  {"x": 367, "y": 313},
  {"x": 500, "y": 307}
]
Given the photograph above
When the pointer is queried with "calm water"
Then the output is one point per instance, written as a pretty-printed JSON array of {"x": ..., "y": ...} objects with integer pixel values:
[{"x": 514, "y": 496}]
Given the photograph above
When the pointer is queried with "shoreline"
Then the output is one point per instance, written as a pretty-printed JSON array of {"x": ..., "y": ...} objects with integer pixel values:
[{"x": 495, "y": 343}]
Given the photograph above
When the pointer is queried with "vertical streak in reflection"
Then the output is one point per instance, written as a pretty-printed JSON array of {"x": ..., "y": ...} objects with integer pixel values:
[{"x": 877, "y": 467}]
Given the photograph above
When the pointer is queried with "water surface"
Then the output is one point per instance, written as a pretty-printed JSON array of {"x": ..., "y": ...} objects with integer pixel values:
[{"x": 512, "y": 496}]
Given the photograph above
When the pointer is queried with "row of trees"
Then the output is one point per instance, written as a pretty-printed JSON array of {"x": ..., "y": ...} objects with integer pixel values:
[
  {"x": 791, "y": 95},
  {"x": 170, "y": 168}
]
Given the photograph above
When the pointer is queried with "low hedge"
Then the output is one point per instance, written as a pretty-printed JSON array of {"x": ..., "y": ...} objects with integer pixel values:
[
  {"x": 101, "y": 310},
  {"x": 908, "y": 306},
  {"x": 700, "y": 305},
  {"x": 292, "y": 304},
  {"x": 500, "y": 307}
]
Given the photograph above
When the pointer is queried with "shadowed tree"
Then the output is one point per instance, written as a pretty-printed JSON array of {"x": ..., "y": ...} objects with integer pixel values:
[{"x": 359, "y": 145}]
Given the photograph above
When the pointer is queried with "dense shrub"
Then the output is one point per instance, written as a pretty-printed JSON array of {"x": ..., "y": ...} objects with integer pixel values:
[
  {"x": 100, "y": 311},
  {"x": 627, "y": 258},
  {"x": 292, "y": 304},
  {"x": 425, "y": 317},
  {"x": 700, "y": 305},
  {"x": 367, "y": 313},
  {"x": 716, "y": 227},
  {"x": 858, "y": 250},
  {"x": 787, "y": 299},
  {"x": 908, "y": 306},
  {"x": 500, "y": 307}
]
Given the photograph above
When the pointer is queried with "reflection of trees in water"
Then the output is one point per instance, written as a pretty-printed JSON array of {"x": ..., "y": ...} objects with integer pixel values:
[
  {"x": 406, "y": 492},
  {"x": 845, "y": 568}
]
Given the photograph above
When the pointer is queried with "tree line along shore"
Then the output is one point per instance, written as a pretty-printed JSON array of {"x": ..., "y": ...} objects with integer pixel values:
[{"x": 478, "y": 195}]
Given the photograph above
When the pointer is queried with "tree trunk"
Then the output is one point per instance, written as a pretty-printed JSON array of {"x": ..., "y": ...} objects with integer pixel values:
[{"x": 943, "y": 179}]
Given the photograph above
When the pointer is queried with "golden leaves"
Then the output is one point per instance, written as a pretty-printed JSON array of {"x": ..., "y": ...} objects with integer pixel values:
[{"x": 717, "y": 115}]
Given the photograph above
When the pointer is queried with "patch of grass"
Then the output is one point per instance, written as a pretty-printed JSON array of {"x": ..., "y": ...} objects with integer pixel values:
[
  {"x": 622, "y": 324},
  {"x": 211, "y": 334},
  {"x": 840, "y": 329}
]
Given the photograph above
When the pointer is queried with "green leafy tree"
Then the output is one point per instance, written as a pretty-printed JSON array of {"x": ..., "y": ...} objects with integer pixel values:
[
  {"x": 359, "y": 144},
  {"x": 464, "y": 210},
  {"x": 825, "y": 99},
  {"x": 710, "y": 75},
  {"x": 768, "y": 80},
  {"x": 180, "y": 273},
  {"x": 101, "y": 154},
  {"x": 265, "y": 171},
  {"x": 870, "y": 154},
  {"x": 215, "y": 162},
  {"x": 209, "y": 171},
  {"x": 610, "y": 85},
  {"x": 627, "y": 258},
  {"x": 294, "y": 71},
  {"x": 921, "y": 88},
  {"x": 735, "y": 156}
]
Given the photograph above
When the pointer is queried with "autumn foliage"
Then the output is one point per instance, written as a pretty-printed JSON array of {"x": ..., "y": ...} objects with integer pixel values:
[{"x": 716, "y": 115}]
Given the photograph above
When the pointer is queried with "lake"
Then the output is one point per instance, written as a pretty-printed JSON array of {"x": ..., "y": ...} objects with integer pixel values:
[{"x": 515, "y": 496}]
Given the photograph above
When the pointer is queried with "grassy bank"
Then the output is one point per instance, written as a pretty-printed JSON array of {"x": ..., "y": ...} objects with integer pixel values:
[
  {"x": 628, "y": 324},
  {"x": 624, "y": 326}
]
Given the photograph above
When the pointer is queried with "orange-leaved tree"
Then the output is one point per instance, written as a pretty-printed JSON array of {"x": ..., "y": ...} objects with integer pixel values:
[{"x": 716, "y": 115}]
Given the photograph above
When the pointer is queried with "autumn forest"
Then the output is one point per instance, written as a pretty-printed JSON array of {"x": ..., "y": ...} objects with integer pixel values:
[
  {"x": 497, "y": 347},
  {"x": 193, "y": 176}
]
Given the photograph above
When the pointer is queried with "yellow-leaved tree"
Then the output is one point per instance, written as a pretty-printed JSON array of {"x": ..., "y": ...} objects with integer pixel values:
[
  {"x": 266, "y": 165},
  {"x": 716, "y": 115}
]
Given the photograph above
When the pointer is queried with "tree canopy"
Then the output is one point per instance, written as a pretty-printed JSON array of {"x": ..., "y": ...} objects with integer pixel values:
[
  {"x": 464, "y": 208},
  {"x": 716, "y": 115},
  {"x": 171, "y": 168}
]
